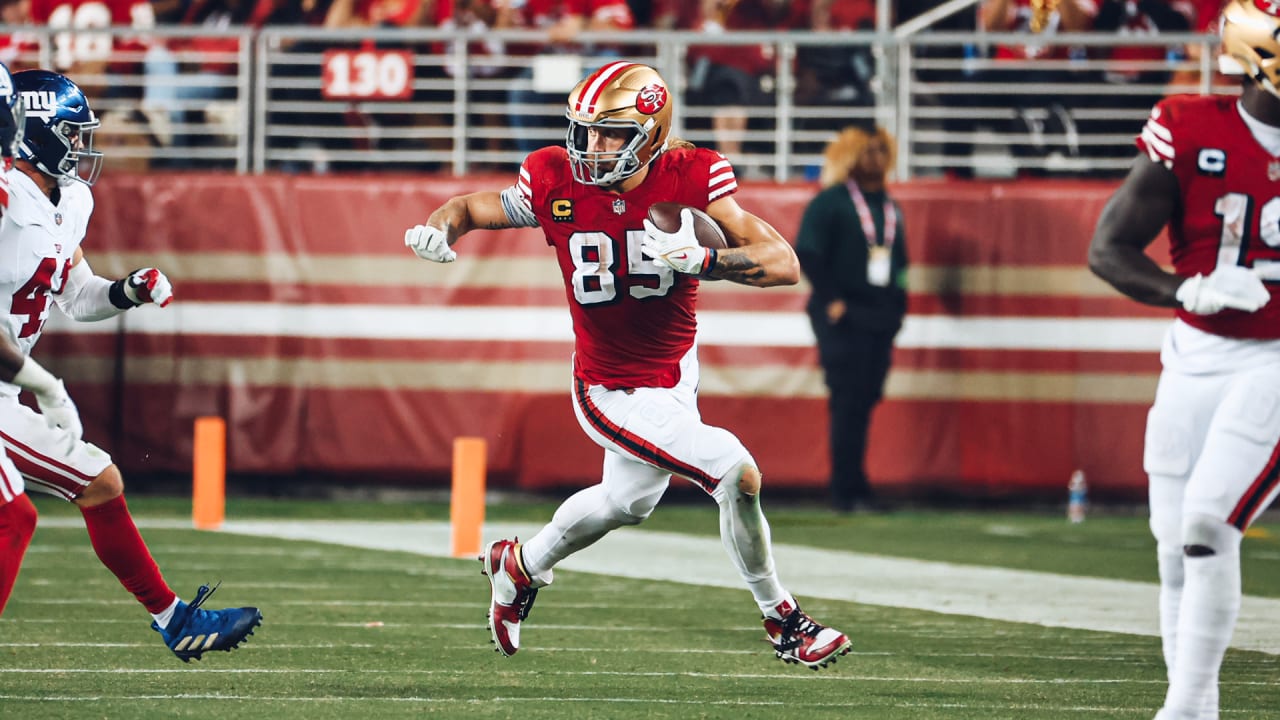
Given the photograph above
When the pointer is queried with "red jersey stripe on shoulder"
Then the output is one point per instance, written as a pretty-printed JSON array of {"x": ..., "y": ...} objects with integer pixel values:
[
  {"x": 1158, "y": 141},
  {"x": 721, "y": 180},
  {"x": 596, "y": 84}
]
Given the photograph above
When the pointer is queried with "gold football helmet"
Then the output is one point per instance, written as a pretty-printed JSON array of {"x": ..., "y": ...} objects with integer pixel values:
[
  {"x": 1249, "y": 44},
  {"x": 619, "y": 97}
]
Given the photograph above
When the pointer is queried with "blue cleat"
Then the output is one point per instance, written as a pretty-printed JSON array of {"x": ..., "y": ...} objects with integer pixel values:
[{"x": 193, "y": 631}]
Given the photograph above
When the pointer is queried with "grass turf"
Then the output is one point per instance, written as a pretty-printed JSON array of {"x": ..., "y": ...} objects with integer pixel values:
[{"x": 352, "y": 632}]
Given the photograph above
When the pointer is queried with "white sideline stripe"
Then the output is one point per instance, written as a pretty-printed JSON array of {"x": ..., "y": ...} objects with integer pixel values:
[
  {"x": 1109, "y": 710},
  {"x": 722, "y": 328},
  {"x": 1136, "y": 657},
  {"x": 1037, "y": 598},
  {"x": 713, "y": 676}
]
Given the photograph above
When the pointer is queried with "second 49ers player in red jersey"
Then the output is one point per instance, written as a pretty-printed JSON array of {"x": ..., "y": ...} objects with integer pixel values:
[
  {"x": 1210, "y": 171},
  {"x": 632, "y": 290}
]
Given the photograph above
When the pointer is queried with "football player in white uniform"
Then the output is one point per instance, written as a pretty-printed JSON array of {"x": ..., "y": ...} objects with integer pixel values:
[
  {"x": 17, "y": 514},
  {"x": 45, "y": 215}
]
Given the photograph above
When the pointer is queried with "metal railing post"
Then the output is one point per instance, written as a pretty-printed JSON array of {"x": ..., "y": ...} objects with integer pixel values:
[
  {"x": 784, "y": 93},
  {"x": 902, "y": 105},
  {"x": 460, "y": 76},
  {"x": 244, "y": 90},
  {"x": 259, "y": 130}
]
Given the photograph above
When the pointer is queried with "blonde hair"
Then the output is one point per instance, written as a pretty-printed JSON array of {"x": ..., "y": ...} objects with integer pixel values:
[
  {"x": 676, "y": 143},
  {"x": 842, "y": 153}
]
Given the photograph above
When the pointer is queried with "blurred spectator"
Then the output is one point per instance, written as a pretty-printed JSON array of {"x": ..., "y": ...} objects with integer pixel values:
[
  {"x": 293, "y": 77},
  {"x": 1138, "y": 89},
  {"x": 180, "y": 92},
  {"x": 18, "y": 50},
  {"x": 487, "y": 62},
  {"x": 732, "y": 78},
  {"x": 87, "y": 52},
  {"x": 563, "y": 21},
  {"x": 674, "y": 15},
  {"x": 835, "y": 76},
  {"x": 644, "y": 12},
  {"x": 852, "y": 247},
  {"x": 1204, "y": 20},
  {"x": 1034, "y": 119},
  {"x": 428, "y": 126}
]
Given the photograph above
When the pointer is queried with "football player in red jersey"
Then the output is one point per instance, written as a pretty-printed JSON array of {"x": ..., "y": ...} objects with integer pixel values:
[
  {"x": 1210, "y": 171},
  {"x": 632, "y": 289}
]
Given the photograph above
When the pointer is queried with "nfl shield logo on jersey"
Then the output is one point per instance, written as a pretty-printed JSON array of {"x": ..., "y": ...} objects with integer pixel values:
[
  {"x": 1273, "y": 170},
  {"x": 57, "y": 218},
  {"x": 619, "y": 206}
]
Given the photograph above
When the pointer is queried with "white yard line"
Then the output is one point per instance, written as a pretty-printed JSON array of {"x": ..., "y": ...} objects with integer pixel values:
[{"x": 995, "y": 593}]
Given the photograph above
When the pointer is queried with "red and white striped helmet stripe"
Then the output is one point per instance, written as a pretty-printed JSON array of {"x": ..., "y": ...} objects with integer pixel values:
[{"x": 596, "y": 85}]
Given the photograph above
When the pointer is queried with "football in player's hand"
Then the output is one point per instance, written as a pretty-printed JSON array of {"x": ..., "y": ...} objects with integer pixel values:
[{"x": 666, "y": 215}]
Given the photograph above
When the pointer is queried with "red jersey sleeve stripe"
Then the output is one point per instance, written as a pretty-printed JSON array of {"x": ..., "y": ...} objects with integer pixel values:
[{"x": 1157, "y": 146}]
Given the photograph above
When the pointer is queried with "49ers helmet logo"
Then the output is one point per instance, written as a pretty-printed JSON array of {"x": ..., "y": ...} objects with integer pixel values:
[
  {"x": 1270, "y": 7},
  {"x": 653, "y": 97}
]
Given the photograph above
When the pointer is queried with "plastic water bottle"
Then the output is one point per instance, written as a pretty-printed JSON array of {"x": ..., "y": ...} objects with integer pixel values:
[{"x": 1077, "y": 497}]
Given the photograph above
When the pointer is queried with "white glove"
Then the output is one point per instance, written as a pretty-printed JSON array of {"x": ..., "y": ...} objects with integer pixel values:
[
  {"x": 678, "y": 250},
  {"x": 60, "y": 412},
  {"x": 51, "y": 395},
  {"x": 430, "y": 243},
  {"x": 1228, "y": 286},
  {"x": 148, "y": 285}
]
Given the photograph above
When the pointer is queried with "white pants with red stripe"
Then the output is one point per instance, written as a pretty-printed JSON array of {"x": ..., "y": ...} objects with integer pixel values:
[
  {"x": 43, "y": 455},
  {"x": 1212, "y": 453},
  {"x": 1213, "y": 434},
  {"x": 11, "y": 485},
  {"x": 648, "y": 435},
  {"x": 659, "y": 429}
]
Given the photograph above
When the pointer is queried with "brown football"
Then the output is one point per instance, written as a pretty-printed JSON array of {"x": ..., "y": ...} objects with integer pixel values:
[{"x": 666, "y": 215}]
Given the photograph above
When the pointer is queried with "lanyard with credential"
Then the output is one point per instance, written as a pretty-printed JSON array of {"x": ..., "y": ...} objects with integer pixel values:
[
  {"x": 879, "y": 256},
  {"x": 868, "y": 224}
]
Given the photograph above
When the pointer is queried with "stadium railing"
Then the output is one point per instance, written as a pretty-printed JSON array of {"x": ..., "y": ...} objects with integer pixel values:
[{"x": 309, "y": 100}]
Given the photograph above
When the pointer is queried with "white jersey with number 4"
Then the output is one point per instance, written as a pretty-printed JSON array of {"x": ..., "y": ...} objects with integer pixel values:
[{"x": 37, "y": 243}]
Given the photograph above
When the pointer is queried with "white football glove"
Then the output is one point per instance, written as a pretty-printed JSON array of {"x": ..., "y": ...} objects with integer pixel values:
[
  {"x": 51, "y": 395},
  {"x": 1228, "y": 286},
  {"x": 678, "y": 250},
  {"x": 430, "y": 243},
  {"x": 60, "y": 412},
  {"x": 148, "y": 285}
]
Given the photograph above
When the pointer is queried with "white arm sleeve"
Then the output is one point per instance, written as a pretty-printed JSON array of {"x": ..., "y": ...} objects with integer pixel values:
[{"x": 85, "y": 297}]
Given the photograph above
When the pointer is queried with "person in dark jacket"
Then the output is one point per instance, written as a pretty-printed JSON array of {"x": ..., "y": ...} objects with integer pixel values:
[{"x": 852, "y": 248}]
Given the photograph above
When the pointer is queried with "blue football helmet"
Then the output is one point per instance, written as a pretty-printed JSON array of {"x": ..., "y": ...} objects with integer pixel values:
[
  {"x": 12, "y": 113},
  {"x": 59, "y": 127}
]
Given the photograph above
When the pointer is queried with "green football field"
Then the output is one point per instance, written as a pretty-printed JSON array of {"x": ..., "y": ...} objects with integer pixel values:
[{"x": 354, "y": 633}]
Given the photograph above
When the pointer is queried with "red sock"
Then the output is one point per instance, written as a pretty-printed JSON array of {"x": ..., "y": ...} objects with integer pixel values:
[
  {"x": 119, "y": 546},
  {"x": 17, "y": 522}
]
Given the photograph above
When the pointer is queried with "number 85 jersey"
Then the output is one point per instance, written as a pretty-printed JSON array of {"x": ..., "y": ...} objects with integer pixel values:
[
  {"x": 633, "y": 318},
  {"x": 1230, "y": 211}
]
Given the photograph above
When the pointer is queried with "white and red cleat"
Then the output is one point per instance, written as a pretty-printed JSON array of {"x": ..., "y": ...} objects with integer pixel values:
[
  {"x": 513, "y": 593},
  {"x": 796, "y": 638}
]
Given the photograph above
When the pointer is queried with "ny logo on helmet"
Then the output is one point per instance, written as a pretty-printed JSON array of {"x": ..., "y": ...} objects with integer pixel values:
[{"x": 40, "y": 103}]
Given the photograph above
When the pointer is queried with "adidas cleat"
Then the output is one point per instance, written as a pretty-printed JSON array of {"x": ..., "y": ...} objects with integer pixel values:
[{"x": 193, "y": 631}]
